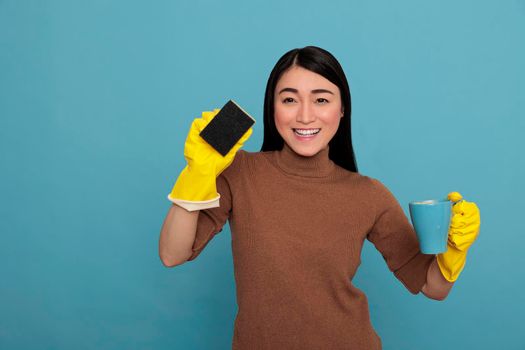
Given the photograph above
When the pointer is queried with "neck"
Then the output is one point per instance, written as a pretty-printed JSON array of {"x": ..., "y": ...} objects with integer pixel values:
[{"x": 318, "y": 165}]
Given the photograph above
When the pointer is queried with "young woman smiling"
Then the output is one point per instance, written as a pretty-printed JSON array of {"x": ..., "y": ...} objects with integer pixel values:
[{"x": 299, "y": 213}]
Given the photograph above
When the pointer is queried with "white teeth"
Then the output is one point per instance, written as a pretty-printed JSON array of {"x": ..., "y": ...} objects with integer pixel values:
[{"x": 306, "y": 131}]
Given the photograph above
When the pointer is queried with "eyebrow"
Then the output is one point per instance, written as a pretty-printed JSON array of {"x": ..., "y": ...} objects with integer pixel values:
[{"x": 315, "y": 91}]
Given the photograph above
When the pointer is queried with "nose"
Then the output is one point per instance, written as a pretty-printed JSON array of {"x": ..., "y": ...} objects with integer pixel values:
[{"x": 305, "y": 114}]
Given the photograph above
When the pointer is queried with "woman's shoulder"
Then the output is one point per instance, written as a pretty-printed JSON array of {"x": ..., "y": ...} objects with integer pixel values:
[
  {"x": 357, "y": 178},
  {"x": 380, "y": 194},
  {"x": 374, "y": 184},
  {"x": 251, "y": 158},
  {"x": 243, "y": 162},
  {"x": 366, "y": 183},
  {"x": 244, "y": 156}
]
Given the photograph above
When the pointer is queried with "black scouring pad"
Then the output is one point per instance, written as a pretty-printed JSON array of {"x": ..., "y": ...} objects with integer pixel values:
[{"x": 227, "y": 127}]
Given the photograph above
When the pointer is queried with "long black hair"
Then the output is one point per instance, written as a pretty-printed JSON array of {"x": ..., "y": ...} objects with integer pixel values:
[{"x": 324, "y": 63}]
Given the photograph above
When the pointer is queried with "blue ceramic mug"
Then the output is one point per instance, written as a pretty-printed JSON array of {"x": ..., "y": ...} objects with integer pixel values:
[{"x": 431, "y": 220}]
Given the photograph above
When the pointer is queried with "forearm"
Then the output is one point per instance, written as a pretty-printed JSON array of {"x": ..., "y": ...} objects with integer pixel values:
[
  {"x": 177, "y": 235},
  {"x": 436, "y": 286}
]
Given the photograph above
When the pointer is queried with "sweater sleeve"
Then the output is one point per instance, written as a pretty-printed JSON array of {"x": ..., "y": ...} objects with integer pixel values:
[
  {"x": 395, "y": 238},
  {"x": 211, "y": 221}
]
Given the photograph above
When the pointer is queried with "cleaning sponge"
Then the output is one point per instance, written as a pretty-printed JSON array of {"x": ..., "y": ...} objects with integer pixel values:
[{"x": 227, "y": 127}]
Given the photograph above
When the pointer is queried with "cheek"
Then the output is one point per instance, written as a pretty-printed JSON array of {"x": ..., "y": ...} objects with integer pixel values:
[
  {"x": 331, "y": 117},
  {"x": 282, "y": 116}
]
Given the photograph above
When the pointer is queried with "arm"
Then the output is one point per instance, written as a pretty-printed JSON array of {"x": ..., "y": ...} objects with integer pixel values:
[
  {"x": 395, "y": 238},
  {"x": 436, "y": 286},
  {"x": 177, "y": 236},
  {"x": 195, "y": 190}
]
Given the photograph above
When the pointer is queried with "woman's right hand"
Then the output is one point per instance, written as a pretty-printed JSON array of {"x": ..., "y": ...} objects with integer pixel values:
[
  {"x": 195, "y": 188},
  {"x": 199, "y": 153}
]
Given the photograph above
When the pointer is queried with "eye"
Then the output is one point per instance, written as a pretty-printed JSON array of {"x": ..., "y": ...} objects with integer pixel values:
[
  {"x": 288, "y": 99},
  {"x": 322, "y": 100}
]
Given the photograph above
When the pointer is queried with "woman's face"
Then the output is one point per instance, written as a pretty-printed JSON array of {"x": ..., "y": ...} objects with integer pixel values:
[{"x": 307, "y": 109}]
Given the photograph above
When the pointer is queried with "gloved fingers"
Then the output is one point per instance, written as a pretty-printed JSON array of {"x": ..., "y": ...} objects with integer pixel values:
[
  {"x": 193, "y": 132},
  {"x": 195, "y": 144},
  {"x": 196, "y": 127},
  {"x": 200, "y": 123},
  {"x": 207, "y": 116},
  {"x": 464, "y": 225},
  {"x": 464, "y": 206},
  {"x": 463, "y": 239},
  {"x": 465, "y": 213},
  {"x": 460, "y": 222},
  {"x": 454, "y": 196},
  {"x": 245, "y": 137}
]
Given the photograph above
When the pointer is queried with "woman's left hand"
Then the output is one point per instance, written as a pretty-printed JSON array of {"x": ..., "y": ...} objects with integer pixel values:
[{"x": 463, "y": 231}]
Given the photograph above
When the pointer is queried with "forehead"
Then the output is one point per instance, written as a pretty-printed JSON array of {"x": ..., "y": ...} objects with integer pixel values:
[{"x": 303, "y": 79}]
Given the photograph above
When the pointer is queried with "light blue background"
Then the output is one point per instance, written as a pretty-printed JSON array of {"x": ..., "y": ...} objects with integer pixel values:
[{"x": 96, "y": 98}]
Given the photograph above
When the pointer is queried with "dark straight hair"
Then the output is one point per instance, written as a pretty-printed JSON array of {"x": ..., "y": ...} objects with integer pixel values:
[{"x": 324, "y": 63}]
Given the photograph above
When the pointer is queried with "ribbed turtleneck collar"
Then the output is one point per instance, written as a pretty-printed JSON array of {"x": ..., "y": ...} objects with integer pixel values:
[{"x": 318, "y": 165}]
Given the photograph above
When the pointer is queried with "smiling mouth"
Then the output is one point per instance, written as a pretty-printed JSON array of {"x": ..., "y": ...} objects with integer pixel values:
[{"x": 306, "y": 132}]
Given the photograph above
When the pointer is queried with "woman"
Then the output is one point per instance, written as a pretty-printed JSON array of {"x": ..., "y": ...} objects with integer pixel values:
[{"x": 299, "y": 213}]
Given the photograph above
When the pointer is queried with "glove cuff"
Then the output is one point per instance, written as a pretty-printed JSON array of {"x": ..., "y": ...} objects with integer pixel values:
[{"x": 196, "y": 205}]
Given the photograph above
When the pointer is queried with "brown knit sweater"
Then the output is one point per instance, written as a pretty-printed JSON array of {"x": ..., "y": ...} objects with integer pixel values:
[{"x": 298, "y": 226}]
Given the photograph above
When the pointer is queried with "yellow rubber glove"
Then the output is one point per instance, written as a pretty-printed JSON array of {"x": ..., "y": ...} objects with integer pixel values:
[
  {"x": 463, "y": 231},
  {"x": 195, "y": 188}
]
